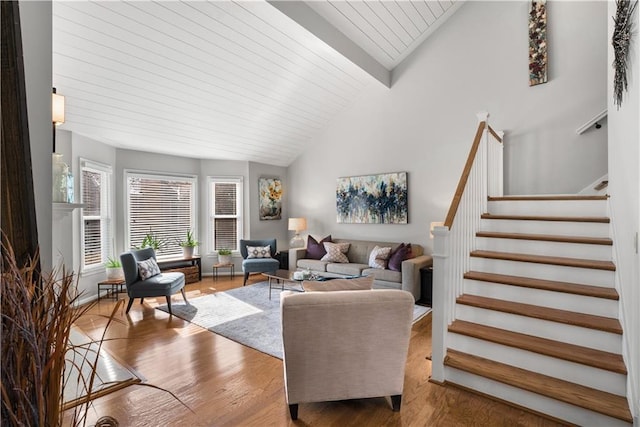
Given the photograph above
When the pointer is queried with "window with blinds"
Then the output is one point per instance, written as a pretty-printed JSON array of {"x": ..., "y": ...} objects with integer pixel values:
[
  {"x": 163, "y": 206},
  {"x": 225, "y": 210},
  {"x": 96, "y": 229}
]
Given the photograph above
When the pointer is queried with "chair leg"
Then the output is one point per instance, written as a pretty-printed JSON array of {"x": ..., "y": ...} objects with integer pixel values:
[
  {"x": 142, "y": 300},
  {"x": 293, "y": 411},
  {"x": 169, "y": 304},
  {"x": 129, "y": 304},
  {"x": 396, "y": 401},
  {"x": 246, "y": 276},
  {"x": 184, "y": 295}
]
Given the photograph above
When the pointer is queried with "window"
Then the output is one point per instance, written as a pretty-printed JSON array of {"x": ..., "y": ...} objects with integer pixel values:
[
  {"x": 225, "y": 213},
  {"x": 97, "y": 230},
  {"x": 162, "y": 205}
]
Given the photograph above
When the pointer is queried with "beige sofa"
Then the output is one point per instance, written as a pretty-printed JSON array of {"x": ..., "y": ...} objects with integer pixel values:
[
  {"x": 407, "y": 279},
  {"x": 345, "y": 345}
]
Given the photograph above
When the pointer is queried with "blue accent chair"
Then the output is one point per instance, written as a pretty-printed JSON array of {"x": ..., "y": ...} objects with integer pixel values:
[
  {"x": 258, "y": 265},
  {"x": 163, "y": 284}
]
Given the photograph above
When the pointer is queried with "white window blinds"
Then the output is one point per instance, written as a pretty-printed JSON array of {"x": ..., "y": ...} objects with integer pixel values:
[
  {"x": 160, "y": 205},
  {"x": 97, "y": 232},
  {"x": 225, "y": 210}
]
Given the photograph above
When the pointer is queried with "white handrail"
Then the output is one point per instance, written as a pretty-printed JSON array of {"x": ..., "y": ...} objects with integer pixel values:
[
  {"x": 452, "y": 245},
  {"x": 601, "y": 115}
]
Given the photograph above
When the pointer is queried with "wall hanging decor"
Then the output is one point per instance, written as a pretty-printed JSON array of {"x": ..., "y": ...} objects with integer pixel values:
[
  {"x": 621, "y": 39},
  {"x": 270, "y": 198},
  {"x": 373, "y": 199},
  {"x": 538, "y": 42}
]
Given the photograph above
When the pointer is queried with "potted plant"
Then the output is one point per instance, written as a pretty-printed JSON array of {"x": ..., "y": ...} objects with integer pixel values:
[
  {"x": 224, "y": 256},
  {"x": 151, "y": 240},
  {"x": 188, "y": 245},
  {"x": 114, "y": 269}
]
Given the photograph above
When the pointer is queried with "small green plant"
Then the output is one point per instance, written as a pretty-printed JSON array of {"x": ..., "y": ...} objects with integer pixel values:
[
  {"x": 151, "y": 240},
  {"x": 189, "y": 242},
  {"x": 113, "y": 263},
  {"x": 224, "y": 252}
]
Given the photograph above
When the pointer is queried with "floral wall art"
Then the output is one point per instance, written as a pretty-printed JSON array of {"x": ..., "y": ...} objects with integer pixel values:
[
  {"x": 537, "y": 42},
  {"x": 270, "y": 198},
  {"x": 373, "y": 199}
]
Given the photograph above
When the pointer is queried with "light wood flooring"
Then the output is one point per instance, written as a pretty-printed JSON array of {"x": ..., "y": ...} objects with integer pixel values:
[{"x": 227, "y": 384}]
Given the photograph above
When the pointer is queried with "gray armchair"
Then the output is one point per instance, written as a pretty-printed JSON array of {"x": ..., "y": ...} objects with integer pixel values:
[
  {"x": 258, "y": 265},
  {"x": 163, "y": 284}
]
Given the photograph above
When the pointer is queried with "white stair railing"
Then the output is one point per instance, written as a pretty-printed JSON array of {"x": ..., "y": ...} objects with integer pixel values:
[{"x": 481, "y": 178}]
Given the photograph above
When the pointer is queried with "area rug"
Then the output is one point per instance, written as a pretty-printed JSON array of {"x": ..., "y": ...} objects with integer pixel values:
[
  {"x": 111, "y": 375},
  {"x": 246, "y": 315}
]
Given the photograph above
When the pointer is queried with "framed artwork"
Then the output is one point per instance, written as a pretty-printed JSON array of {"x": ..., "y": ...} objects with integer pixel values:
[
  {"x": 621, "y": 41},
  {"x": 537, "y": 42},
  {"x": 373, "y": 199},
  {"x": 270, "y": 198}
]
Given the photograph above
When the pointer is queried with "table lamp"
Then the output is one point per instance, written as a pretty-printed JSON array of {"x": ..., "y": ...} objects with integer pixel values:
[{"x": 297, "y": 225}]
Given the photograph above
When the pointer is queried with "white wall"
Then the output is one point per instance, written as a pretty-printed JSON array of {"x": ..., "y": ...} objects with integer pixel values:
[
  {"x": 272, "y": 228},
  {"x": 35, "y": 22},
  {"x": 624, "y": 188},
  {"x": 425, "y": 123}
]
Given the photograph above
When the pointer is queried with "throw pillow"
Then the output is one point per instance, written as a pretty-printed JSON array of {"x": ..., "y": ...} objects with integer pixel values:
[
  {"x": 356, "y": 284},
  {"x": 397, "y": 256},
  {"x": 378, "y": 257},
  {"x": 336, "y": 252},
  {"x": 315, "y": 249},
  {"x": 148, "y": 268},
  {"x": 259, "y": 251}
]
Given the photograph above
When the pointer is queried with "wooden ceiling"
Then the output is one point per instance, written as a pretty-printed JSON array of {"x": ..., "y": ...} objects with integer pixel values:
[{"x": 236, "y": 80}]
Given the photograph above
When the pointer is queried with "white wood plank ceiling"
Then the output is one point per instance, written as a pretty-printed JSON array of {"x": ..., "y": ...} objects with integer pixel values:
[{"x": 235, "y": 80}]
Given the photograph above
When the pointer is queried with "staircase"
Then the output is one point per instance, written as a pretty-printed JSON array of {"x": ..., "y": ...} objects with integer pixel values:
[{"x": 536, "y": 321}]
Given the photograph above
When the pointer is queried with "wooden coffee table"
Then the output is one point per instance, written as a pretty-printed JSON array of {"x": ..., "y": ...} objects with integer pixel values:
[{"x": 281, "y": 277}]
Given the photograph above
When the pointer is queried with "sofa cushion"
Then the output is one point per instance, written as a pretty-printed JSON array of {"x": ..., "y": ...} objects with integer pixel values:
[
  {"x": 315, "y": 249},
  {"x": 386, "y": 275},
  {"x": 349, "y": 269},
  {"x": 148, "y": 268},
  {"x": 259, "y": 251},
  {"x": 312, "y": 264},
  {"x": 379, "y": 257},
  {"x": 336, "y": 252},
  {"x": 401, "y": 253},
  {"x": 355, "y": 284}
]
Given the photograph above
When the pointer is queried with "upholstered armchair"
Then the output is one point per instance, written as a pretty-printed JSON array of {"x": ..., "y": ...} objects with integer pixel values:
[
  {"x": 345, "y": 345},
  {"x": 161, "y": 284},
  {"x": 258, "y": 262}
]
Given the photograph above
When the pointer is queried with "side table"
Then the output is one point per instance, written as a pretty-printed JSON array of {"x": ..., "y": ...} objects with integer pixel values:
[
  {"x": 111, "y": 287},
  {"x": 230, "y": 266},
  {"x": 426, "y": 285},
  {"x": 283, "y": 257}
]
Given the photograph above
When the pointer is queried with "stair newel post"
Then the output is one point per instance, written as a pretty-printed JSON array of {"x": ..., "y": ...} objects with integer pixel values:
[
  {"x": 483, "y": 116},
  {"x": 500, "y": 165},
  {"x": 443, "y": 300}
]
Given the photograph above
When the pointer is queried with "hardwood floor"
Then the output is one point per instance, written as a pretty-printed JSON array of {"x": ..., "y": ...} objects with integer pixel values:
[{"x": 227, "y": 384}]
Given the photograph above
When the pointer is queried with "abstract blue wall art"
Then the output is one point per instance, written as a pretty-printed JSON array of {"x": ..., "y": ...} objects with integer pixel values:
[{"x": 373, "y": 199}]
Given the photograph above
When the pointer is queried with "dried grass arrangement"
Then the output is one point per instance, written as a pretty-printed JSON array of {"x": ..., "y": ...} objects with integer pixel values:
[{"x": 37, "y": 316}]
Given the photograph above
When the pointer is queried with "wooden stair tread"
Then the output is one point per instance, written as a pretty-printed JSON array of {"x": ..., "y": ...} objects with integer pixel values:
[
  {"x": 598, "y": 219},
  {"x": 575, "y": 394},
  {"x": 543, "y": 259},
  {"x": 549, "y": 197},
  {"x": 606, "y": 324},
  {"x": 547, "y": 285},
  {"x": 570, "y": 352},
  {"x": 547, "y": 238}
]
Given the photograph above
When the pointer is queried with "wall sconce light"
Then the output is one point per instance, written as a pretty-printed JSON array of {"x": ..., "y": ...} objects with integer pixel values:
[
  {"x": 433, "y": 226},
  {"x": 297, "y": 225},
  {"x": 57, "y": 113}
]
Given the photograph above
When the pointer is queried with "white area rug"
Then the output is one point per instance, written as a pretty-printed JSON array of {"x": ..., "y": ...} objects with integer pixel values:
[{"x": 246, "y": 315}]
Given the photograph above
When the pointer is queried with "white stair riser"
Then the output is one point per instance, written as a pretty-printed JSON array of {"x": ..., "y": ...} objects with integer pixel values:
[
  {"x": 585, "y": 337},
  {"x": 549, "y": 207},
  {"x": 564, "y": 411},
  {"x": 559, "y": 273},
  {"x": 576, "y": 373},
  {"x": 559, "y": 228},
  {"x": 538, "y": 247},
  {"x": 543, "y": 298}
]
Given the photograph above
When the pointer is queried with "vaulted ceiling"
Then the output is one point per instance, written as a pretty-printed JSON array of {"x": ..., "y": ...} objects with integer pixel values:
[{"x": 236, "y": 80}]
